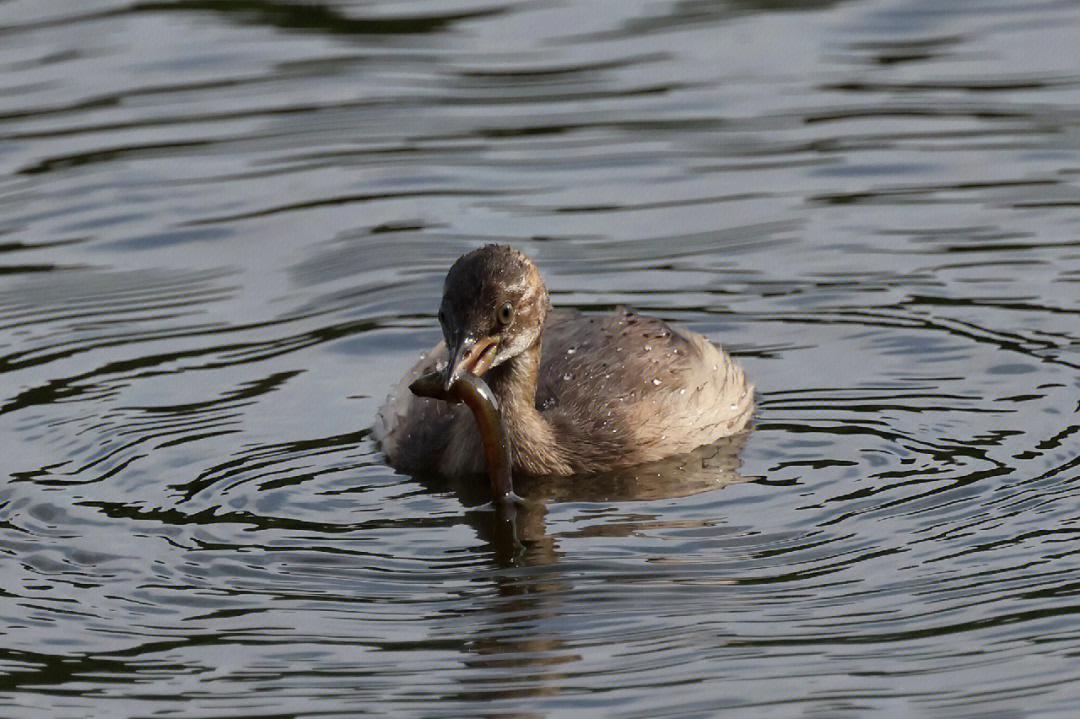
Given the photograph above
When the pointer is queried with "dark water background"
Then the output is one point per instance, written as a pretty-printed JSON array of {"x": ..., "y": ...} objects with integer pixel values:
[{"x": 223, "y": 231}]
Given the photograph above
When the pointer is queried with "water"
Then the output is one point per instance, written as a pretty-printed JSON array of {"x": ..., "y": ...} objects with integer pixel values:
[{"x": 223, "y": 231}]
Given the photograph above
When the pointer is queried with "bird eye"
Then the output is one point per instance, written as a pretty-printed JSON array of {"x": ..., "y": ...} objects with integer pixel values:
[{"x": 506, "y": 313}]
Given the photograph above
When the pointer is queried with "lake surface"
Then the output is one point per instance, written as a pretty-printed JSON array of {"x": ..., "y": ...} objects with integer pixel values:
[{"x": 223, "y": 232}]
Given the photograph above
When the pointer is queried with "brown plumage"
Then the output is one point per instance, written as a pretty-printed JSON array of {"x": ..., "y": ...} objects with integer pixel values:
[{"x": 578, "y": 393}]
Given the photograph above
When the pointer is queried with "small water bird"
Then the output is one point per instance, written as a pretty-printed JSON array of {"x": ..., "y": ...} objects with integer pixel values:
[{"x": 573, "y": 393}]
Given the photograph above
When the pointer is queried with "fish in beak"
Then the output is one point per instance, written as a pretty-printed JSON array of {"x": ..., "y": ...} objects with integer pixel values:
[
  {"x": 479, "y": 398},
  {"x": 470, "y": 355}
]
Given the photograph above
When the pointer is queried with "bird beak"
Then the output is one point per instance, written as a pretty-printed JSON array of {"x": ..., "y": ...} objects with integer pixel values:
[{"x": 470, "y": 355}]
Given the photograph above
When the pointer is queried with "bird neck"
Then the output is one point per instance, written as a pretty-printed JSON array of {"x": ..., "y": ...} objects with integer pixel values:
[{"x": 533, "y": 446}]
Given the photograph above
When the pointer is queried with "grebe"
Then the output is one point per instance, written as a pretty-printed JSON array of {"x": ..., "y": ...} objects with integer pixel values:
[{"x": 577, "y": 393}]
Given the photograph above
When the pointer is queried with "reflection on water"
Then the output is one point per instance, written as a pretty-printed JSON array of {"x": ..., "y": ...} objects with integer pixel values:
[
  {"x": 517, "y": 532},
  {"x": 223, "y": 232}
]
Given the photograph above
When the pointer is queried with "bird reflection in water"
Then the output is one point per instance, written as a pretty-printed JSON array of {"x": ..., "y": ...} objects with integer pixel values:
[
  {"x": 517, "y": 533},
  {"x": 518, "y": 632}
]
